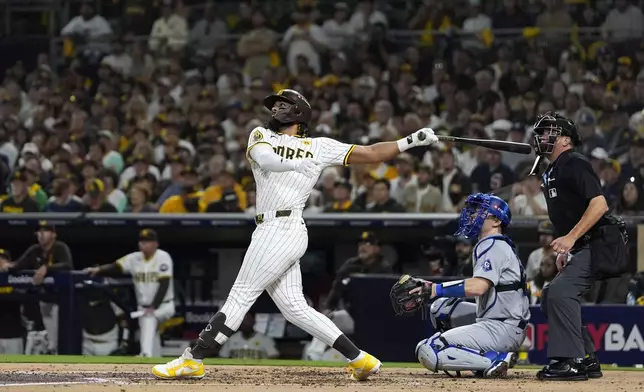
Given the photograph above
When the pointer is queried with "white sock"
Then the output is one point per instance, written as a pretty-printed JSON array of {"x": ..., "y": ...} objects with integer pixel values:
[
  {"x": 187, "y": 354},
  {"x": 359, "y": 357}
]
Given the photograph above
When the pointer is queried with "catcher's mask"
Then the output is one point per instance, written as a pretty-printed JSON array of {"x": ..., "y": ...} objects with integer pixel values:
[
  {"x": 405, "y": 303},
  {"x": 297, "y": 112},
  {"x": 478, "y": 207},
  {"x": 548, "y": 127}
]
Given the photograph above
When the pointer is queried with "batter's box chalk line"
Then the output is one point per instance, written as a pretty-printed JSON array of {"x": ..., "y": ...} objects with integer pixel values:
[{"x": 87, "y": 380}]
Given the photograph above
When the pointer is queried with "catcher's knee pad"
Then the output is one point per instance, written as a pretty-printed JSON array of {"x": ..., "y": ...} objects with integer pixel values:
[
  {"x": 448, "y": 313},
  {"x": 216, "y": 332},
  {"x": 436, "y": 353}
]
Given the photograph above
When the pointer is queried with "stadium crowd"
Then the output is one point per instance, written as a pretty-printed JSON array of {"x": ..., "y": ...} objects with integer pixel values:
[{"x": 160, "y": 123}]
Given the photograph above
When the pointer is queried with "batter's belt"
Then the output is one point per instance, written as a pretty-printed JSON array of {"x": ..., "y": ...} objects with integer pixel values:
[{"x": 265, "y": 216}]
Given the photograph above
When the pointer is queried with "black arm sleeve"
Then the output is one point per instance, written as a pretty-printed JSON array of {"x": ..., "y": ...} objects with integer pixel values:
[
  {"x": 164, "y": 284},
  {"x": 110, "y": 269},
  {"x": 26, "y": 261},
  {"x": 334, "y": 295},
  {"x": 337, "y": 288},
  {"x": 585, "y": 179},
  {"x": 62, "y": 258}
]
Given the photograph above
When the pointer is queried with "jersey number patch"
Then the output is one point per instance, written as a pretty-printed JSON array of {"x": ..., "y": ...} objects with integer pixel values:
[{"x": 552, "y": 193}]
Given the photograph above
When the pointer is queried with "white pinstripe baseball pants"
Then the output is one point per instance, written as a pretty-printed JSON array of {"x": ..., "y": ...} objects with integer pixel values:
[{"x": 272, "y": 263}]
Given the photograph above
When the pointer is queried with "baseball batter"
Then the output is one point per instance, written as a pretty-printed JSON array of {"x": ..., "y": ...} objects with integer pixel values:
[
  {"x": 481, "y": 337},
  {"x": 151, "y": 270},
  {"x": 286, "y": 165}
]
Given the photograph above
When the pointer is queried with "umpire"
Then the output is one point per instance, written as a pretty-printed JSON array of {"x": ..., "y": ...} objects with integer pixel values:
[{"x": 590, "y": 244}]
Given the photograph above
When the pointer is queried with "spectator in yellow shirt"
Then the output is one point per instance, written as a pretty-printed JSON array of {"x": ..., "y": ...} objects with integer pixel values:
[
  {"x": 224, "y": 182},
  {"x": 191, "y": 200}
]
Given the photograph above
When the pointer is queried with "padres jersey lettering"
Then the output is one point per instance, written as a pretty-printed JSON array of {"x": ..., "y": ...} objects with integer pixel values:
[
  {"x": 290, "y": 190},
  {"x": 147, "y": 273},
  {"x": 145, "y": 277},
  {"x": 290, "y": 153}
]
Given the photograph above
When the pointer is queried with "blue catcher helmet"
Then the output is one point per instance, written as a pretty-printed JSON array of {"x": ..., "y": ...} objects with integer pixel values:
[{"x": 478, "y": 207}]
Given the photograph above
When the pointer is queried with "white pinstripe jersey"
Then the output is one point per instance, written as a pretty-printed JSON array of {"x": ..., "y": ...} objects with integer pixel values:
[
  {"x": 290, "y": 190},
  {"x": 146, "y": 274}
]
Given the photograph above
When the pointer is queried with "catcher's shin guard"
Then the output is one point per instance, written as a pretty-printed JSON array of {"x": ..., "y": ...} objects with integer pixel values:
[{"x": 437, "y": 354}]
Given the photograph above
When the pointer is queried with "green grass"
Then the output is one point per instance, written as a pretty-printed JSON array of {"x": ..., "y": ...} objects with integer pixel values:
[{"x": 71, "y": 359}]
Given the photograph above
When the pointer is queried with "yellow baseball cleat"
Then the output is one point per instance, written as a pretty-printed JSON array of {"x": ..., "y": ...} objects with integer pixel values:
[
  {"x": 183, "y": 367},
  {"x": 363, "y": 367}
]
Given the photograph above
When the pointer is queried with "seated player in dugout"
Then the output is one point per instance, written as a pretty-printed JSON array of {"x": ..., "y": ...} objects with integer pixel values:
[
  {"x": 484, "y": 337},
  {"x": 191, "y": 200},
  {"x": 152, "y": 273},
  {"x": 247, "y": 343}
]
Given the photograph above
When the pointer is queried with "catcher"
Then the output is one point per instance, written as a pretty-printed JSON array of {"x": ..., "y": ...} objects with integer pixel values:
[{"x": 481, "y": 337}]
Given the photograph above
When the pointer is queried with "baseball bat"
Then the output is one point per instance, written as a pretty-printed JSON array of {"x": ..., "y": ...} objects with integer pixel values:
[{"x": 501, "y": 145}]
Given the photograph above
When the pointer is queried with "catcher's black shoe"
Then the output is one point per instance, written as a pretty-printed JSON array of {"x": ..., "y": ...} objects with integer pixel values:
[
  {"x": 564, "y": 370},
  {"x": 593, "y": 368}
]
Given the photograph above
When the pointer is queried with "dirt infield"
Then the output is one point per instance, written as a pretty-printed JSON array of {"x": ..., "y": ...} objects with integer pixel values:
[{"x": 135, "y": 378}]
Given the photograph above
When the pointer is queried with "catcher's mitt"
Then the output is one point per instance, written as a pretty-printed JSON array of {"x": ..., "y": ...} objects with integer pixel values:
[{"x": 403, "y": 302}]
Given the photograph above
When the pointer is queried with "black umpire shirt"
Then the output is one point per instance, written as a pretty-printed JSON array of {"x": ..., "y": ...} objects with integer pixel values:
[
  {"x": 57, "y": 258},
  {"x": 569, "y": 184}
]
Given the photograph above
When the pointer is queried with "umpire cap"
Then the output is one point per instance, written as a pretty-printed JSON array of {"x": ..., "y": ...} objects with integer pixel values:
[
  {"x": 148, "y": 235},
  {"x": 545, "y": 227}
]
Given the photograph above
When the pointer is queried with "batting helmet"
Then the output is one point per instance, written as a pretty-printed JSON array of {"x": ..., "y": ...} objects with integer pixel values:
[
  {"x": 478, "y": 207},
  {"x": 553, "y": 125},
  {"x": 298, "y": 113},
  {"x": 545, "y": 227}
]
